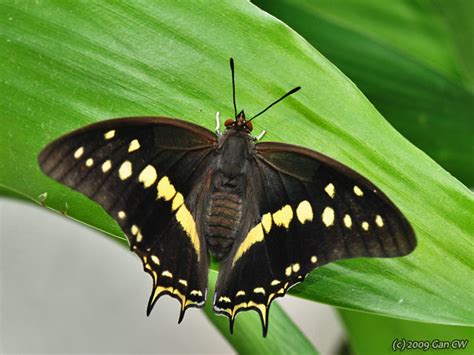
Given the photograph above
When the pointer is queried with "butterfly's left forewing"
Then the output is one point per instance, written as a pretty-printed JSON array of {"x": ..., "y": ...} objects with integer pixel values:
[
  {"x": 149, "y": 174},
  {"x": 310, "y": 210}
]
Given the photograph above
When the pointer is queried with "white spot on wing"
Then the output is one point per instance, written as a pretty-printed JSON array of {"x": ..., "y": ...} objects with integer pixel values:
[
  {"x": 78, "y": 153},
  {"x": 89, "y": 162},
  {"x": 379, "y": 221},
  {"x": 296, "y": 267},
  {"x": 148, "y": 176},
  {"x": 134, "y": 145},
  {"x": 121, "y": 214},
  {"x": 365, "y": 226},
  {"x": 328, "y": 216},
  {"x": 330, "y": 190},
  {"x": 125, "y": 170},
  {"x": 110, "y": 134},
  {"x": 304, "y": 212},
  {"x": 106, "y": 166},
  {"x": 358, "y": 191},
  {"x": 348, "y": 221}
]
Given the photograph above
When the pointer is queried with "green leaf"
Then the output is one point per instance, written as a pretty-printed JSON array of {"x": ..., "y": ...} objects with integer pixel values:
[
  {"x": 67, "y": 64},
  {"x": 412, "y": 59},
  {"x": 283, "y": 337},
  {"x": 393, "y": 334}
]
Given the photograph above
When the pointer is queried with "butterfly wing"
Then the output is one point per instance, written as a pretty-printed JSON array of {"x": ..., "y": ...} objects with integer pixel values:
[
  {"x": 147, "y": 173},
  {"x": 311, "y": 210}
]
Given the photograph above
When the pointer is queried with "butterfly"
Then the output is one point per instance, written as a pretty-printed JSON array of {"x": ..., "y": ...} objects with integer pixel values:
[{"x": 270, "y": 213}]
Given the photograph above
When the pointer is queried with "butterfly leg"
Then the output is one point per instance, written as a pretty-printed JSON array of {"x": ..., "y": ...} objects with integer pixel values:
[
  {"x": 218, "y": 124},
  {"x": 42, "y": 199},
  {"x": 66, "y": 209}
]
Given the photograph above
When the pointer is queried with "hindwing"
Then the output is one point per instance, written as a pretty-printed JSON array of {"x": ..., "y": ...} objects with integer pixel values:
[
  {"x": 147, "y": 173},
  {"x": 311, "y": 210}
]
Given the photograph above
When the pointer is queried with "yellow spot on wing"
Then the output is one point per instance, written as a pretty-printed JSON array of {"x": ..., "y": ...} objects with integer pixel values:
[
  {"x": 259, "y": 290},
  {"x": 139, "y": 237},
  {"x": 155, "y": 259},
  {"x": 348, "y": 221},
  {"x": 365, "y": 226},
  {"x": 358, "y": 191},
  {"x": 160, "y": 289},
  {"x": 134, "y": 145},
  {"x": 275, "y": 282},
  {"x": 78, "y": 153},
  {"x": 296, "y": 267},
  {"x": 89, "y": 162},
  {"x": 183, "y": 282},
  {"x": 165, "y": 189},
  {"x": 240, "y": 293},
  {"x": 134, "y": 230},
  {"x": 148, "y": 176},
  {"x": 196, "y": 293},
  {"x": 304, "y": 212},
  {"x": 125, "y": 170},
  {"x": 314, "y": 259},
  {"x": 245, "y": 305},
  {"x": 288, "y": 271},
  {"x": 224, "y": 299},
  {"x": 379, "y": 221},
  {"x": 328, "y": 216},
  {"x": 106, "y": 166},
  {"x": 330, "y": 190},
  {"x": 110, "y": 134},
  {"x": 178, "y": 200},
  {"x": 267, "y": 222},
  {"x": 166, "y": 273},
  {"x": 283, "y": 216},
  {"x": 185, "y": 218},
  {"x": 254, "y": 236},
  {"x": 122, "y": 214}
]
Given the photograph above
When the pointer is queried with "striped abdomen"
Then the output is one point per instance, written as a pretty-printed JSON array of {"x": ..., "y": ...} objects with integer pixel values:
[{"x": 223, "y": 217}]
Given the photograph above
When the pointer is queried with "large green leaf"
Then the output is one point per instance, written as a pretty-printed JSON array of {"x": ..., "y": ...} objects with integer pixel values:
[
  {"x": 413, "y": 60},
  {"x": 70, "y": 64},
  {"x": 394, "y": 335}
]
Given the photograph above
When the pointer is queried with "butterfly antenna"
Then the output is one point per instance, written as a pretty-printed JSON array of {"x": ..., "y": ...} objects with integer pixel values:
[
  {"x": 233, "y": 86},
  {"x": 277, "y": 101}
]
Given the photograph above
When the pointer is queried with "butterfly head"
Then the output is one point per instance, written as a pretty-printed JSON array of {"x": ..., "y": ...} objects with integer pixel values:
[{"x": 239, "y": 123}]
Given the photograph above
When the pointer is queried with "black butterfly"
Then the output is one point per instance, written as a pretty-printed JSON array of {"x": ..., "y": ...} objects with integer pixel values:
[{"x": 269, "y": 212}]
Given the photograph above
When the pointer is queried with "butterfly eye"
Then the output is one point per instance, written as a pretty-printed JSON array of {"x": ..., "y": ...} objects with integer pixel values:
[
  {"x": 249, "y": 125},
  {"x": 229, "y": 122}
]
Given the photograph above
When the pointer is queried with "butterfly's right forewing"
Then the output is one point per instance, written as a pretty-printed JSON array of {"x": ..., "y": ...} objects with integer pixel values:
[{"x": 149, "y": 174}]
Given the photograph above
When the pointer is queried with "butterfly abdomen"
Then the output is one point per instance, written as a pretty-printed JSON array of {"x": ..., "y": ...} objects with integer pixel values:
[{"x": 223, "y": 218}]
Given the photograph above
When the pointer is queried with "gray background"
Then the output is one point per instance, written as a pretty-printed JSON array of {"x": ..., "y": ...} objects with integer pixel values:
[{"x": 65, "y": 288}]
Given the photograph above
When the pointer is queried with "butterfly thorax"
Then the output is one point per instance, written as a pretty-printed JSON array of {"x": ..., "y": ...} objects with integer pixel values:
[{"x": 226, "y": 201}]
